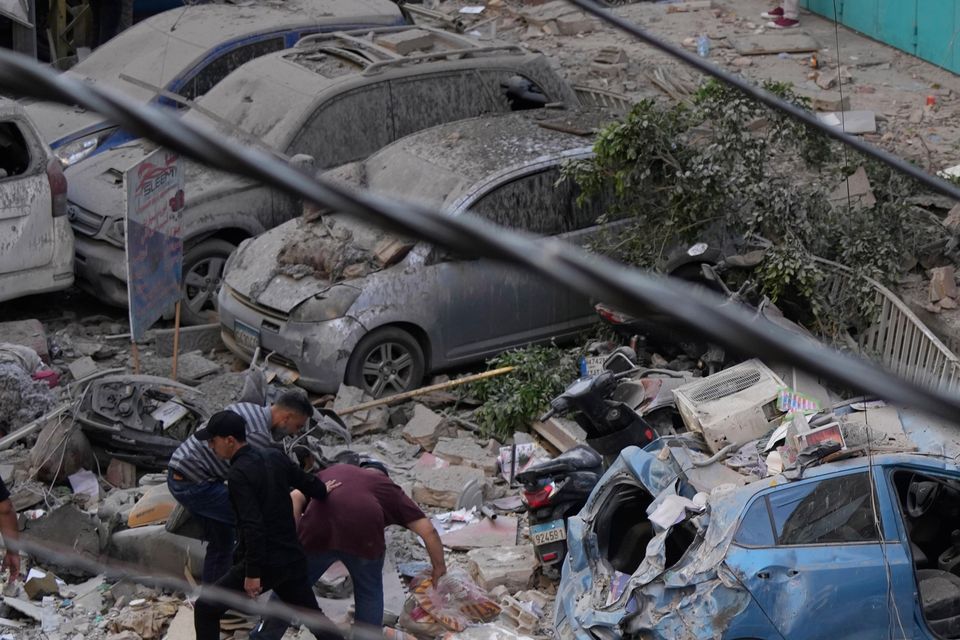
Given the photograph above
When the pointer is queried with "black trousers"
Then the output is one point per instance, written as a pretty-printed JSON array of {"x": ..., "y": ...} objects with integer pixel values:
[{"x": 289, "y": 583}]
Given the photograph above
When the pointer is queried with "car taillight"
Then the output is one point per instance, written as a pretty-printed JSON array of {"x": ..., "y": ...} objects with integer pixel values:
[
  {"x": 611, "y": 316},
  {"x": 58, "y": 188},
  {"x": 540, "y": 497}
]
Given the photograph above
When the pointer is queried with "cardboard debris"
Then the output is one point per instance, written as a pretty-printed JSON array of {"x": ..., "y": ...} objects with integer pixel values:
[{"x": 39, "y": 584}]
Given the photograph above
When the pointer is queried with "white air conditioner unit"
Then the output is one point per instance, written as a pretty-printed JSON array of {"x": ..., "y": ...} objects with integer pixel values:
[{"x": 734, "y": 406}]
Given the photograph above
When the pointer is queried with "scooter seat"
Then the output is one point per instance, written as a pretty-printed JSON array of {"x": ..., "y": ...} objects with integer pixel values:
[{"x": 579, "y": 458}]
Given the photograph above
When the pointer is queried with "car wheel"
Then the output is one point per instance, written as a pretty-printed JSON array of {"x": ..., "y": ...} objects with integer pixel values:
[
  {"x": 386, "y": 362},
  {"x": 202, "y": 275}
]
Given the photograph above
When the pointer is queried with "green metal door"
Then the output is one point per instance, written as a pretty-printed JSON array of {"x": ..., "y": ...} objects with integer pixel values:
[{"x": 928, "y": 30}]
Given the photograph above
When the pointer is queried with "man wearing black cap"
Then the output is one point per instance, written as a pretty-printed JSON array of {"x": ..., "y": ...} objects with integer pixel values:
[{"x": 268, "y": 554}]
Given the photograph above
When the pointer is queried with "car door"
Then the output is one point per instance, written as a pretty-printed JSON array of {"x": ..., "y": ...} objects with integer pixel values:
[
  {"x": 486, "y": 306},
  {"x": 811, "y": 555},
  {"x": 26, "y": 213}
]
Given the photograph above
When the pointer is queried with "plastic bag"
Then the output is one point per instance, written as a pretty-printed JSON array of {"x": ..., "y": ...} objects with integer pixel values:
[{"x": 453, "y": 603}]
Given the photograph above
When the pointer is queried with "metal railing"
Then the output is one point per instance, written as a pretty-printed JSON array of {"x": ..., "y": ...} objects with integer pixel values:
[
  {"x": 898, "y": 339},
  {"x": 593, "y": 97}
]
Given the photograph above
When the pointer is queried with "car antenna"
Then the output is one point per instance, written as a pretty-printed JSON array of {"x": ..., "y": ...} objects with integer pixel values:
[{"x": 173, "y": 27}]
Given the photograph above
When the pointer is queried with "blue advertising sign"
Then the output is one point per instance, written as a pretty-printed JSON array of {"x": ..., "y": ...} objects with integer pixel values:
[{"x": 154, "y": 240}]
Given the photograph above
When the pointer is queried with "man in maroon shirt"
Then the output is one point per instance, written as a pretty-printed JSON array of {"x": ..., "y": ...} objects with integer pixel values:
[{"x": 348, "y": 526}]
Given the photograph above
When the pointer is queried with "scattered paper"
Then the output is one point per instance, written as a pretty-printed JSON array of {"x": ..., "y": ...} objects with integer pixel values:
[
  {"x": 474, "y": 9},
  {"x": 673, "y": 509},
  {"x": 85, "y": 482}
]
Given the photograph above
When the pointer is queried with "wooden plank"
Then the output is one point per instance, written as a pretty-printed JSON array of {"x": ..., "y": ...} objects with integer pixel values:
[{"x": 770, "y": 44}]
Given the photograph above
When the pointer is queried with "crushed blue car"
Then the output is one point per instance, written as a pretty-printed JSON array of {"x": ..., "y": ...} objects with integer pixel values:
[{"x": 676, "y": 543}]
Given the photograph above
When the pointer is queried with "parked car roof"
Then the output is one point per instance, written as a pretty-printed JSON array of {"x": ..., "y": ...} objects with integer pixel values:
[
  {"x": 441, "y": 165},
  {"x": 158, "y": 49},
  {"x": 270, "y": 96}
]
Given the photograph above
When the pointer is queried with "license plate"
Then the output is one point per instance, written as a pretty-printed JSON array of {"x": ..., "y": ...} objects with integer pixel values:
[
  {"x": 246, "y": 336},
  {"x": 548, "y": 532}
]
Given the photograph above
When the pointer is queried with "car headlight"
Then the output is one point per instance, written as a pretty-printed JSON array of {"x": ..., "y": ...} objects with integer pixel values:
[
  {"x": 116, "y": 231},
  {"x": 329, "y": 305},
  {"x": 77, "y": 150}
]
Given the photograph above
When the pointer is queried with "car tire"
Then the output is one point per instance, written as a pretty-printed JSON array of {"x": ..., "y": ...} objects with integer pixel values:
[
  {"x": 202, "y": 275},
  {"x": 385, "y": 362}
]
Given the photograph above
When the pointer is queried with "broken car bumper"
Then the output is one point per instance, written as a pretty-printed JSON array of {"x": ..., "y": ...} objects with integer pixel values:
[
  {"x": 317, "y": 351},
  {"x": 102, "y": 270}
]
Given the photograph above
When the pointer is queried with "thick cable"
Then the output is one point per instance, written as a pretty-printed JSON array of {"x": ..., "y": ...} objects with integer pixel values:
[{"x": 627, "y": 289}]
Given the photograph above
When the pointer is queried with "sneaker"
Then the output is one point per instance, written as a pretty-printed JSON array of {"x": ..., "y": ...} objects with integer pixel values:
[
  {"x": 773, "y": 14},
  {"x": 783, "y": 23}
]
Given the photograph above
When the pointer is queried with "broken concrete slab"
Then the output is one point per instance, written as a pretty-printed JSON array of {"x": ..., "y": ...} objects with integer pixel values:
[
  {"x": 511, "y": 567},
  {"x": 766, "y": 44},
  {"x": 465, "y": 452},
  {"x": 943, "y": 283},
  {"x": 694, "y": 5},
  {"x": 154, "y": 547},
  {"x": 442, "y": 487},
  {"x": 485, "y": 534},
  {"x": 854, "y": 122},
  {"x": 181, "y": 627},
  {"x": 88, "y": 595},
  {"x": 68, "y": 527},
  {"x": 192, "y": 367},
  {"x": 22, "y": 606},
  {"x": 82, "y": 368},
  {"x": 855, "y": 190},
  {"x": 426, "y": 427},
  {"x": 28, "y": 333},
  {"x": 203, "y": 337},
  {"x": 562, "y": 434}
]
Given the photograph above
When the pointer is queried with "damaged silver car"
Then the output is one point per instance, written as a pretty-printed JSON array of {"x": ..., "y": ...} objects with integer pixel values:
[
  {"x": 36, "y": 244},
  {"x": 338, "y": 300},
  {"x": 332, "y": 99},
  {"x": 857, "y": 538}
]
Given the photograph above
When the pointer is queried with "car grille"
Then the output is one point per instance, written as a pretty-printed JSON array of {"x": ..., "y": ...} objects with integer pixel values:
[
  {"x": 256, "y": 306},
  {"x": 83, "y": 220}
]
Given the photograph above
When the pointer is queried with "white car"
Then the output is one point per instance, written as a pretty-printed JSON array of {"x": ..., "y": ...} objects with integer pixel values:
[{"x": 36, "y": 242}]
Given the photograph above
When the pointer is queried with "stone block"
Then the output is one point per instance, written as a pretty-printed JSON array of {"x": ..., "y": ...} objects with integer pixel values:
[
  {"x": 952, "y": 220},
  {"x": 82, "y": 367},
  {"x": 157, "y": 551},
  {"x": 405, "y": 42},
  {"x": 29, "y": 333},
  {"x": 511, "y": 567},
  {"x": 441, "y": 487},
  {"x": 573, "y": 24},
  {"x": 203, "y": 337},
  {"x": 466, "y": 452},
  {"x": 943, "y": 283},
  {"x": 425, "y": 427}
]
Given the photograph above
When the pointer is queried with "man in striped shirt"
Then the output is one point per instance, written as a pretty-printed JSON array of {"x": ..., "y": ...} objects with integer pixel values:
[{"x": 195, "y": 475}]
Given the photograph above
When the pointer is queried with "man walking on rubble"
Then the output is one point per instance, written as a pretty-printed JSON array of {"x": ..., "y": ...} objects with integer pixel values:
[
  {"x": 195, "y": 474},
  {"x": 349, "y": 527},
  {"x": 268, "y": 553}
]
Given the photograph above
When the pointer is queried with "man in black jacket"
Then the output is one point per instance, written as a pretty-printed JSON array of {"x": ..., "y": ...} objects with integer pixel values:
[{"x": 268, "y": 554}]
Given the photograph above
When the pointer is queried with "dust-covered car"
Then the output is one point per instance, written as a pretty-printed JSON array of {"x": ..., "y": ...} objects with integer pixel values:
[
  {"x": 181, "y": 54},
  {"x": 36, "y": 242},
  {"x": 338, "y": 300},
  {"x": 336, "y": 98},
  {"x": 863, "y": 542}
]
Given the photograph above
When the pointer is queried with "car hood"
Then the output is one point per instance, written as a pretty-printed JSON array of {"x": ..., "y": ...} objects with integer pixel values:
[
  {"x": 253, "y": 272},
  {"x": 97, "y": 183},
  {"x": 56, "y": 121}
]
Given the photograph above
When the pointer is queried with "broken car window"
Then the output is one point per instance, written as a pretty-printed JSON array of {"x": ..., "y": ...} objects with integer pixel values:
[
  {"x": 538, "y": 203},
  {"x": 755, "y": 528},
  {"x": 14, "y": 151},
  {"x": 834, "y": 510},
  {"x": 218, "y": 69}
]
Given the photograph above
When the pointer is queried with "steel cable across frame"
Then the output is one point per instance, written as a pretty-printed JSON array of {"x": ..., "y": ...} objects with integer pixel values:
[{"x": 628, "y": 289}]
